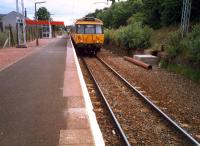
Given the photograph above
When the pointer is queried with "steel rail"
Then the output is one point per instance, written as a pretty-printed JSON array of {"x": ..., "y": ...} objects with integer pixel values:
[
  {"x": 152, "y": 104},
  {"x": 108, "y": 106}
]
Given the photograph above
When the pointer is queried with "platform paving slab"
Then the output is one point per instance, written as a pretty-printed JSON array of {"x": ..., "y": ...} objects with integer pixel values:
[
  {"x": 72, "y": 87},
  {"x": 76, "y": 137},
  {"x": 77, "y": 118},
  {"x": 75, "y": 102}
]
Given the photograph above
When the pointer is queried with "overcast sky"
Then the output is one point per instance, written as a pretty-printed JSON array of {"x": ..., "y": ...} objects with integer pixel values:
[{"x": 62, "y": 10}]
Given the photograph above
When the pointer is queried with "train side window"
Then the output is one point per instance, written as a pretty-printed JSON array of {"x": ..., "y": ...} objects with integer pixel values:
[
  {"x": 80, "y": 29},
  {"x": 99, "y": 29},
  {"x": 89, "y": 29}
]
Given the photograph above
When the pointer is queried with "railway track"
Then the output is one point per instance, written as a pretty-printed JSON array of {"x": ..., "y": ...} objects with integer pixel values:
[
  {"x": 112, "y": 135},
  {"x": 143, "y": 123}
]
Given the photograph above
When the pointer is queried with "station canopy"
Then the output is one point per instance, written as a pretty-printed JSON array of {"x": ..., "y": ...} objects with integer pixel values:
[{"x": 43, "y": 22}]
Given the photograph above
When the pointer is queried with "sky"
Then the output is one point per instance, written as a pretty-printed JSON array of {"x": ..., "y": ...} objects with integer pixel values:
[{"x": 61, "y": 10}]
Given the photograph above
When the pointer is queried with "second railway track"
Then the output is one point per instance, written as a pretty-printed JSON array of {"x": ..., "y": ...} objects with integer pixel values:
[{"x": 141, "y": 124}]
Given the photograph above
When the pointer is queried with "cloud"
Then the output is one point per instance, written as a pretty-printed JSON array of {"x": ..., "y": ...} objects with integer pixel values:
[{"x": 63, "y": 10}]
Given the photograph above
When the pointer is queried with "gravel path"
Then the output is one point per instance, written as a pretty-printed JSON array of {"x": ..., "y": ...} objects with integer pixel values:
[
  {"x": 140, "y": 123},
  {"x": 177, "y": 96}
]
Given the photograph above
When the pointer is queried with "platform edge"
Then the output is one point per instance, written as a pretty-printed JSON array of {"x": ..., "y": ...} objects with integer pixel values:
[{"x": 96, "y": 132}]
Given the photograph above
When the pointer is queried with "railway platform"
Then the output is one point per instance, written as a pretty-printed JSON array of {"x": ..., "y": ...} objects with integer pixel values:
[
  {"x": 82, "y": 127},
  {"x": 44, "y": 99}
]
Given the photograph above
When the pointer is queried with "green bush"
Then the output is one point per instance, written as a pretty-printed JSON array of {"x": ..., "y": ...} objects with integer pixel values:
[
  {"x": 110, "y": 36},
  {"x": 173, "y": 44},
  {"x": 107, "y": 36},
  {"x": 138, "y": 17},
  {"x": 193, "y": 44},
  {"x": 187, "y": 48},
  {"x": 133, "y": 36}
]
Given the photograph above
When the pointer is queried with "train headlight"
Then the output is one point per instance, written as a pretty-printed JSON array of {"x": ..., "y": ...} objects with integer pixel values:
[{"x": 79, "y": 39}]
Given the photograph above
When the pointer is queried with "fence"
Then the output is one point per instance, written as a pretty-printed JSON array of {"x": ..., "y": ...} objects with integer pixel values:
[{"x": 8, "y": 37}]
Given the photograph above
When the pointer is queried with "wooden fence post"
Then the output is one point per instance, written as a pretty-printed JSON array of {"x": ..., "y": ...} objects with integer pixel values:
[{"x": 11, "y": 36}]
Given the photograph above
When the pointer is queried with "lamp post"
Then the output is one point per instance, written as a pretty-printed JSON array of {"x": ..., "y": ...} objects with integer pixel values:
[
  {"x": 37, "y": 43},
  {"x": 185, "y": 19},
  {"x": 24, "y": 23},
  {"x": 50, "y": 29}
]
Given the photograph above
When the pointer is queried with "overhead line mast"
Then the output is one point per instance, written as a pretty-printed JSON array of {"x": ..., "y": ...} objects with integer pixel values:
[
  {"x": 17, "y": 6},
  {"x": 185, "y": 19},
  {"x": 21, "y": 23}
]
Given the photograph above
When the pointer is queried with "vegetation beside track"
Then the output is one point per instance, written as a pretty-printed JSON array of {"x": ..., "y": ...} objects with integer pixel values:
[
  {"x": 183, "y": 53},
  {"x": 131, "y": 36},
  {"x": 142, "y": 24},
  {"x": 189, "y": 72}
]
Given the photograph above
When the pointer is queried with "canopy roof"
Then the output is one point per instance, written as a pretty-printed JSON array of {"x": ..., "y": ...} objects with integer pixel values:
[{"x": 43, "y": 22}]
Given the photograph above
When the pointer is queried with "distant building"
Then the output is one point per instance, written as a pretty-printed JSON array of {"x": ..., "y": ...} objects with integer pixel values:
[
  {"x": 10, "y": 18},
  {"x": 44, "y": 27}
]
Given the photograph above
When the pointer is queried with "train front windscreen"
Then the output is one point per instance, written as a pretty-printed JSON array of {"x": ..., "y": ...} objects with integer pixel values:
[{"x": 89, "y": 29}]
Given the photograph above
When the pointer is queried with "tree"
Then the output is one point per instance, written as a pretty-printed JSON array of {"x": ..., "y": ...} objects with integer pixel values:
[
  {"x": 113, "y": 1},
  {"x": 97, "y": 11},
  {"x": 43, "y": 14},
  {"x": 171, "y": 12},
  {"x": 118, "y": 14},
  {"x": 155, "y": 13},
  {"x": 195, "y": 13},
  {"x": 152, "y": 9}
]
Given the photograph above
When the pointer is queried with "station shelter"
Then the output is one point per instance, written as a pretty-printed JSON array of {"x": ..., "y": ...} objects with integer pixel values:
[{"x": 45, "y": 27}]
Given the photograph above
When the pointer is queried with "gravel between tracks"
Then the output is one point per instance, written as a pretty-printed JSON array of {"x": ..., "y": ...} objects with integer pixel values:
[
  {"x": 109, "y": 131},
  {"x": 140, "y": 123},
  {"x": 174, "y": 94}
]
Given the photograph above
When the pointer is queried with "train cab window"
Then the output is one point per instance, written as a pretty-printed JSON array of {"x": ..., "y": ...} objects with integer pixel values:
[
  {"x": 99, "y": 29},
  {"x": 80, "y": 29},
  {"x": 89, "y": 29}
]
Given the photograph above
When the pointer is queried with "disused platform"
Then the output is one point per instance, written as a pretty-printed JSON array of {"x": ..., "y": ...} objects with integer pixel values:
[{"x": 82, "y": 127}]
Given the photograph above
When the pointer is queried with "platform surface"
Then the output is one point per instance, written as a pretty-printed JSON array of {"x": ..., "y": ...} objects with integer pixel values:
[
  {"x": 31, "y": 98},
  {"x": 44, "y": 101}
]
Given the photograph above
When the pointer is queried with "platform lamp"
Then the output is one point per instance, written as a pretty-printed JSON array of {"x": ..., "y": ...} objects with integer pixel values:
[
  {"x": 50, "y": 29},
  {"x": 37, "y": 43}
]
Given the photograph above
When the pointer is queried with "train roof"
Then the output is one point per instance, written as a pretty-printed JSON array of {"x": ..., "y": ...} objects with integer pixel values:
[{"x": 88, "y": 20}]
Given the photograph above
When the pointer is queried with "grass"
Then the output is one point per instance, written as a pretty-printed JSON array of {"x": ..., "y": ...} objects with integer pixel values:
[
  {"x": 160, "y": 36},
  {"x": 3, "y": 38},
  {"x": 191, "y": 73}
]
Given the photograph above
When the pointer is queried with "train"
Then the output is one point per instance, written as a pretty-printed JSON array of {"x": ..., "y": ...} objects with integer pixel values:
[{"x": 88, "y": 35}]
